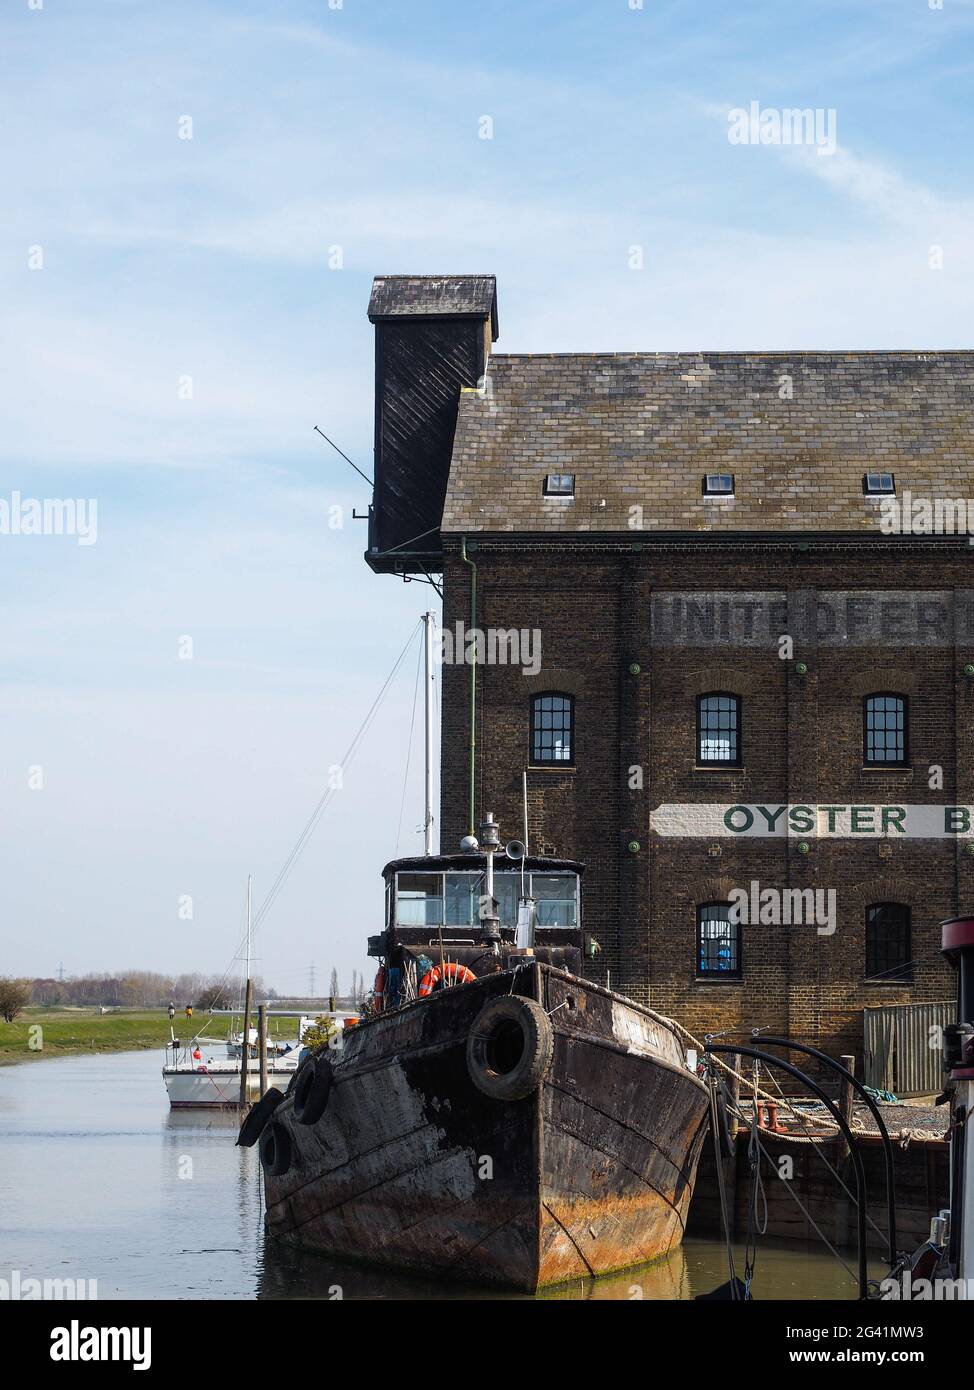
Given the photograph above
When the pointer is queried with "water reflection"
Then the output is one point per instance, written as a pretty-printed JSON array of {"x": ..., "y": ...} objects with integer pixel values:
[
  {"x": 286, "y": 1272},
  {"x": 99, "y": 1179}
]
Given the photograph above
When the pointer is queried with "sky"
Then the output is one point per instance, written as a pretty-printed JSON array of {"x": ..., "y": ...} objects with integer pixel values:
[{"x": 196, "y": 196}]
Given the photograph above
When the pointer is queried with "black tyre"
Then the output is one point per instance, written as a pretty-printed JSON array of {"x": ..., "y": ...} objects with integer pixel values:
[
  {"x": 509, "y": 1048},
  {"x": 275, "y": 1149},
  {"x": 312, "y": 1089},
  {"x": 257, "y": 1117}
]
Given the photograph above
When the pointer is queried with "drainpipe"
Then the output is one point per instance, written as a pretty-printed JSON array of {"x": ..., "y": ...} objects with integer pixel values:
[{"x": 472, "y": 828}]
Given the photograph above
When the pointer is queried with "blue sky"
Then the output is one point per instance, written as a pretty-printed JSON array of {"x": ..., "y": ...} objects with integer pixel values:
[{"x": 164, "y": 258}]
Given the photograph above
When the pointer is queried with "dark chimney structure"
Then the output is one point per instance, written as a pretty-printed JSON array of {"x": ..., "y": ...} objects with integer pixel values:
[{"x": 433, "y": 334}]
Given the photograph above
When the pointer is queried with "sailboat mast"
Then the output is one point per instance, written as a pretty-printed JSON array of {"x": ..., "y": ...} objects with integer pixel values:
[
  {"x": 249, "y": 882},
  {"x": 429, "y": 622}
]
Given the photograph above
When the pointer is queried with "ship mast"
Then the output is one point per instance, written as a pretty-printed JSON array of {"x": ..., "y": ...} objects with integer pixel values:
[{"x": 249, "y": 882}]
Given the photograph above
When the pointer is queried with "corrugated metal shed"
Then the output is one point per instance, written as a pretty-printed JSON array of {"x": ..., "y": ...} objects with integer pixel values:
[{"x": 901, "y": 1047}]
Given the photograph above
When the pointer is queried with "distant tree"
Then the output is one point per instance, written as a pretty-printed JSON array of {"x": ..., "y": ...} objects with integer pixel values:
[
  {"x": 14, "y": 994},
  {"x": 211, "y": 997},
  {"x": 333, "y": 987}
]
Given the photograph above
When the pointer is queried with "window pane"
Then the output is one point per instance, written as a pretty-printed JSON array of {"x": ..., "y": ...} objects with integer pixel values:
[
  {"x": 885, "y": 729},
  {"x": 879, "y": 482},
  {"x": 419, "y": 900},
  {"x": 555, "y": 896},
  {"x": 507, "y": 890},
  {"x": 551, "y": 729},
  {"x": 718, "y": 941},
  {"x": 719, "y": 482},
  {"x": 888, "y": 942},
  {"x": 717, "y": 717},
  {"x": 462, "y": 899}
]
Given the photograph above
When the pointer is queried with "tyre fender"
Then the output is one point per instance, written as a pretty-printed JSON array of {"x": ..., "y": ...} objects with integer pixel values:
[
  {"x": 509, "y": 1047},
  {"x": 258, "y": 1116},
  {"x": 276, "y": 1150},
  {"x": 312, "y": 1089}
]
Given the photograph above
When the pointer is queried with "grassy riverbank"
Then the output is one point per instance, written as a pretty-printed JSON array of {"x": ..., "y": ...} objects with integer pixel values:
[{"x": 67, "y": 1032}]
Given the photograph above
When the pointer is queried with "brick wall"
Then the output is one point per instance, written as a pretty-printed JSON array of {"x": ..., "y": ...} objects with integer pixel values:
[{"x": 802, "y": 743}]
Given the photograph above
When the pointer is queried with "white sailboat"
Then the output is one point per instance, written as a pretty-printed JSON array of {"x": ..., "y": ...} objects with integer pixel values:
[
  {"x": 196, "y": 1077},
  {"x": 195, "y": 1074}
]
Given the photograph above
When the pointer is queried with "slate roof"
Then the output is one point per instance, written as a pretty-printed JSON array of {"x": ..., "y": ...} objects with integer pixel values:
[
  {"x": 643, "y": 428},
  {"x": 432, "y": 296}
]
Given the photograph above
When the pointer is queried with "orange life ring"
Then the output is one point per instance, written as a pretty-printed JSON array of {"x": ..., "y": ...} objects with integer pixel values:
[
  {"x": 453, "y": 971},
  {"x": 379, "y": 988}
]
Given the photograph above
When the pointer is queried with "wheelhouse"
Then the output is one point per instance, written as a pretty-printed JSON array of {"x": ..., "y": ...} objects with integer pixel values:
[{"x": 445, "y": 896}]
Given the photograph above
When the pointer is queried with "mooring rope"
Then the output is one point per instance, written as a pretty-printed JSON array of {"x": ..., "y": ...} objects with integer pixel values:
[{"x": 779, "y": 1099}]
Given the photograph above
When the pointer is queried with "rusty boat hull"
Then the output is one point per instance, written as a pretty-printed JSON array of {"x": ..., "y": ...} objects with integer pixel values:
[{"x": 413, "y": 1167}]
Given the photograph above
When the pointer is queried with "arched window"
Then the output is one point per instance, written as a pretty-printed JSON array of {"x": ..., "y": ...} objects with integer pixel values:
[
  {"x": 884, "y": 730},
  {"x": 552, "y": 728},
  {"x": 719, "y": 729},
  {"x": 718, "y": 941},
  {"x": 888, "y": 942}
]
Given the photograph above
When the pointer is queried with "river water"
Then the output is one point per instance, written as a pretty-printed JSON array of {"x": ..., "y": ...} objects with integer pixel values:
[{"x": 99, "y": 1180}]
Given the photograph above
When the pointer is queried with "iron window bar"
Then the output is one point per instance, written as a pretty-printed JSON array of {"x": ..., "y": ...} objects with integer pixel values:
[
  {"x": 552, "y": 729},
  {"x": 719, "y": 953},
  {"x": 885, "y": 730},
  {"x": 719, "y": 729}
]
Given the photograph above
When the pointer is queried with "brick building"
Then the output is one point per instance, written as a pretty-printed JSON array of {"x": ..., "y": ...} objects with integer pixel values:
[{"x": 746, "y": 628}]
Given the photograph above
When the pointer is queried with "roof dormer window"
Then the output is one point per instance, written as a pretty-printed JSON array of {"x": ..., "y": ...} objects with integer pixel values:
[
  {"x": 718, "y": 485},
  {"x": 878, "y": 484},
  {"x": 559, "y": 485}
]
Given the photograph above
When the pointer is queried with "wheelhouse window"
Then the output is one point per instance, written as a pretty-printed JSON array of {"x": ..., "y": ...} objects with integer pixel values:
[
  {"x": 884, "y": 730},
  {"x": 878, "y": 484},
  {"x": 559, "y": 485},
  {"x": 556, "y": 899},
  {"x": 454, "y": 899},
  {"x": 719, "y": 730},
  {"x": 462, "y": 899},
  {"x": 888, "y": 954},
  {"x": 718, "y": 485},
  {"x": 419, "y": 900},
  {"x": 718, "y": 942},
  {"x": 552, "y": 728}
]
